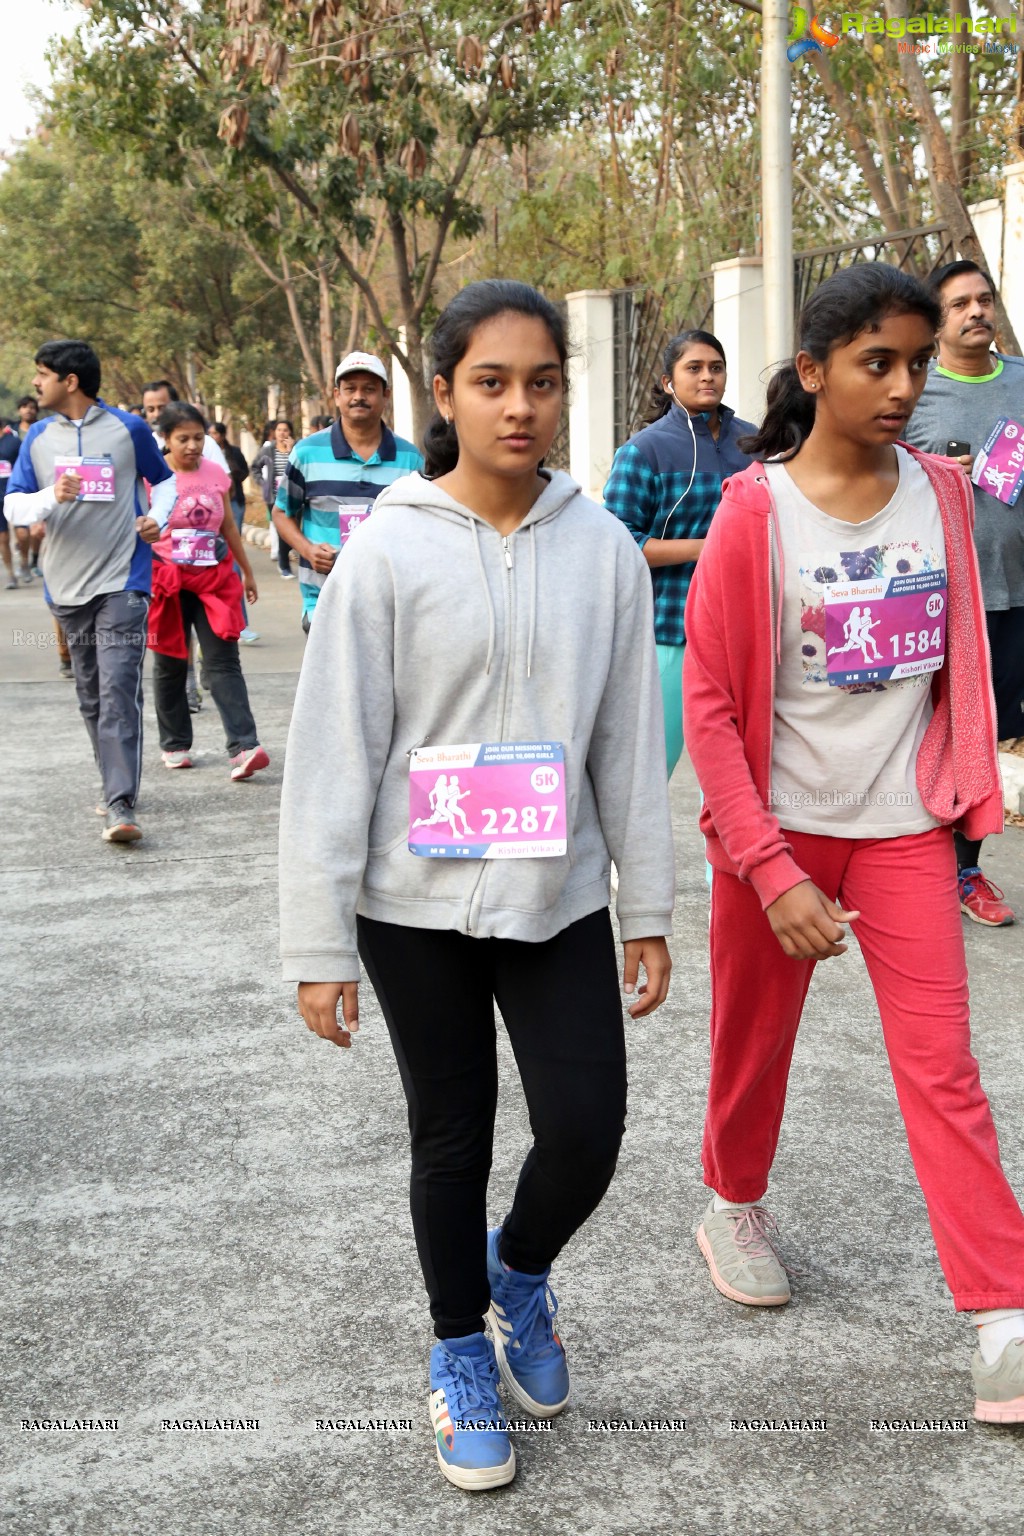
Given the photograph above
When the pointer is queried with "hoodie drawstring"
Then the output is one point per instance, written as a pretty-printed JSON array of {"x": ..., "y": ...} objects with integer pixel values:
[
  {"x": 533, "y": 598},
  {"x": 487, "y": 594}
]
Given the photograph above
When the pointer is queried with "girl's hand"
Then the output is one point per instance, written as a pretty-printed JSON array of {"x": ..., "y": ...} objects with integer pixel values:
[
  {"x": 318, "y": 1005},
  {"x": 251, "y": 594},
  {"x": 148, "y": 529},
  {"x": 807, "y": 924},
  {"x": 653, "y": 955}
]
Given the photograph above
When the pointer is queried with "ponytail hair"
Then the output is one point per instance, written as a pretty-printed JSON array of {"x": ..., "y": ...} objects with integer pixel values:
[
  {"x": 470, "y": 308},
  {"x": 661, "y": 400},
  {"x": 852, "y": 300}
]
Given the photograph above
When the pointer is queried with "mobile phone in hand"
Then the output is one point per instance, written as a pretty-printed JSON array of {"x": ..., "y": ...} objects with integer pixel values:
[{"x": 956, "y": 449}]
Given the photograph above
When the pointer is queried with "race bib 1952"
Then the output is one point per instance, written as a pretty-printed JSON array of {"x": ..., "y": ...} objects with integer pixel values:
[
  {"x": 96, "y": 475},
  {"x": 488, "y": 800}
]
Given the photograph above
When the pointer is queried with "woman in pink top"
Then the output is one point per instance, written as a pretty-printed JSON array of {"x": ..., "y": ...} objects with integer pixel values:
[
  {"x": 839, "y": 713},
  {"x": 196, "y": 586}
]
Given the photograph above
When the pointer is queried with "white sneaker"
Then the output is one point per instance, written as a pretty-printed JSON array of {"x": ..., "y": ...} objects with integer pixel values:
[{"x": 248, "y": 635}]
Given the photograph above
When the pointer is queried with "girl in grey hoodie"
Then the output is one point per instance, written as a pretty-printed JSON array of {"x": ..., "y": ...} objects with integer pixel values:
[{"x": 477, "y": 733}]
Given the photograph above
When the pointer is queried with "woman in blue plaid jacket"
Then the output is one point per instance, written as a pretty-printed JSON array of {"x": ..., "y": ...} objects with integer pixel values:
[{"x": 665, "y": 485}]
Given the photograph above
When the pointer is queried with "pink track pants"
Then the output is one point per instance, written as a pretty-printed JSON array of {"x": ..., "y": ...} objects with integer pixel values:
[{"x": 910, "y": 932}]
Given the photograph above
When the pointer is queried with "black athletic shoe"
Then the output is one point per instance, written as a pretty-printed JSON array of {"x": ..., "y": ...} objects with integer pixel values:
[{"x": 121, "y": 826}]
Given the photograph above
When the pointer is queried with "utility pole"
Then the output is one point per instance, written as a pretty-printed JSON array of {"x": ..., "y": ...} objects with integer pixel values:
[{"x": 776, "y": 183}]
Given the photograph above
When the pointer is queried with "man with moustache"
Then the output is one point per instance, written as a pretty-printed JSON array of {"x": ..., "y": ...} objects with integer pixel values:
[
  {"x": 333, "y": 477},
  {"x": 970, "y": 386}
]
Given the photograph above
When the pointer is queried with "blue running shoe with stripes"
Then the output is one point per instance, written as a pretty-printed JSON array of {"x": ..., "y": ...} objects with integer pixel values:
[
  {"x": 528, "y": 1350},
  {"x": 470, "y": 1428}
]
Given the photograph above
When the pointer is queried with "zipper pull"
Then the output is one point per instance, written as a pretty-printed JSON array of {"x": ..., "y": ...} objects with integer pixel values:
[{"x": 508, "y": 552}]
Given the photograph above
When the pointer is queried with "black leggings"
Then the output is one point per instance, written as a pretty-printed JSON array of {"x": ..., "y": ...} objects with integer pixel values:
[
  {"x": 561, "y": 1007},
  {"x": 1006, "y": 644}
]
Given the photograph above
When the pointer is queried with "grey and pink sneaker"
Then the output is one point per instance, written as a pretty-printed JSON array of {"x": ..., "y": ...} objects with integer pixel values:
[
  {"x": 245, "y": 764},
  {"x": 739, "y": 1246},
  {"x": 1000, "y": 1386}
]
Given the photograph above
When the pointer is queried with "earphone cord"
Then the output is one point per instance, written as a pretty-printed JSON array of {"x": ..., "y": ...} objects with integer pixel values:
[{"x": 693, "y": 469}]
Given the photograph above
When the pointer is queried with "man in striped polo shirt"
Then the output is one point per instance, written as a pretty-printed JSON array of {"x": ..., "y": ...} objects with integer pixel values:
[{"x": 334, "y": 477}]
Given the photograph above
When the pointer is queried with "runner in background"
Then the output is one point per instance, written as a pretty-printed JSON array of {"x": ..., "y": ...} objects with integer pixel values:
[
  {"x": 28, "y": 543},
  {"x": 832, "y": 785},
  {"x": 334, "y": 476},
  {"x": 268, "y": 470},
  {"x": 10, "y": 447},
  {"x": 82, "y": 473},
  {"x": 490, "y": 601},
  {"x": 196, "y": 587},
  {"x": 665, "y": 484},
  {"x": 238, "y": 469},
  {"x": 969, "y": 388}
]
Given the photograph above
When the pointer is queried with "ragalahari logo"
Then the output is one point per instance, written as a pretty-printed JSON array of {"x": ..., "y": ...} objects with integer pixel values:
[{"x": 799, "y": 42}]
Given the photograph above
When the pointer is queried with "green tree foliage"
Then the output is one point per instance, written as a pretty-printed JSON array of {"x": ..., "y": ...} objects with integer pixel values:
[{"x": 149, "y": 281}]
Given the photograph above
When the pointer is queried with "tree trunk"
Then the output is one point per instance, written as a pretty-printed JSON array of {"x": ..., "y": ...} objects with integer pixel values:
[
  {"x": 960, "y": 99},
  {"x": 946, "y": 190},
  {"x": 328, "y": 361},
  {"x": 843, "y": 108}
]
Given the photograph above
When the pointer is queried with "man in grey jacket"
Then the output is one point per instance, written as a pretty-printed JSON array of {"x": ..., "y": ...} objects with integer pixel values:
[
  {"x": 970, "y": 387},
  {"x": 82, "y": 473}
]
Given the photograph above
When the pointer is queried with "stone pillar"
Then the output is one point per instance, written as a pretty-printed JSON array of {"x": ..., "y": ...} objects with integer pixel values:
[
  {"x": 1012, "y": 285},
  {"x": 592, "y": 389},
  {"x": 401, "y": 397},
  {"x": 739, "y": 326}
]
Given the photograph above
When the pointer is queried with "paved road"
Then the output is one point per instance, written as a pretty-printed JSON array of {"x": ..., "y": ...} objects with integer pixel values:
[{"x": 205, "y": 1209}]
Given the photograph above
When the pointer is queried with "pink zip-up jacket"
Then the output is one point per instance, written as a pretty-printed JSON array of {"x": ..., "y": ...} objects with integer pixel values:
[{"x": 733, "y": 645}]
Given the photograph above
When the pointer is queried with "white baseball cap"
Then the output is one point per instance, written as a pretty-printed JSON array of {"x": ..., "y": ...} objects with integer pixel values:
[{"x": 361, "y": 362}]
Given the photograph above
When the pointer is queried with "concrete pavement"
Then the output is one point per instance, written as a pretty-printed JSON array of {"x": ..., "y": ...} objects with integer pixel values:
[{"x": 205, "y": 1209}]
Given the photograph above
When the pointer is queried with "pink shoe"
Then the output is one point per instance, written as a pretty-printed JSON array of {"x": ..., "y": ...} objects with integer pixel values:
[
  {"x": 176, "y": 759},
  {"x": 245, "y": 764}
]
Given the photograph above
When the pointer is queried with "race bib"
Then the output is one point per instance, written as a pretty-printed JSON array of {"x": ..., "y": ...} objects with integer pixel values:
[
  {"x": 96, "y": 474},
  {"x": 999, "y": 467},
  {"x": 351, "y": 516},
  {"x": 885, "y": 628},
  {"x": 5, "y": 469},
  {"x": 191, "y": 546},
  {"x": 490, "y": 800}
]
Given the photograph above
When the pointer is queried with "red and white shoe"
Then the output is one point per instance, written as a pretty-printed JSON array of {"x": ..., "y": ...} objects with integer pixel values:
[
  {"x": 245, "y": 764},
  {"x": 982, "y": 901},
  {"x": 176, "y": 759}
]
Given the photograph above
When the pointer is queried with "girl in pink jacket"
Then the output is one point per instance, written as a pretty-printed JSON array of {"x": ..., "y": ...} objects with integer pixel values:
[{"x": 838, "y": 711}]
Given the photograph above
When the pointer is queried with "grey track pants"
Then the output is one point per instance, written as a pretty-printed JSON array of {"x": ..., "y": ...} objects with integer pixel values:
[{"x": 107, "y": 640}]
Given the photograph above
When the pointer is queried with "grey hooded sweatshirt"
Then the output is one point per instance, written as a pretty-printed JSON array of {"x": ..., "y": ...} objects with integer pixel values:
[{"x": 432, "y": 628}]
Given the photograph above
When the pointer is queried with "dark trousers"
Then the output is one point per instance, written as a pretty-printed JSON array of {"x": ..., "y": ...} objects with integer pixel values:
[
  {"x": 1006, "y": 643},
  {"x": 106, "y": 639},
  {"x": 238, "y": 508},
  {"x": 561, "y": 1007},
  {"x": 222, "y": 674}
]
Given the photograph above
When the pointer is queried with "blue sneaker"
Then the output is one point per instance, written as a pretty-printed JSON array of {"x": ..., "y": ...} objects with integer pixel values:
[
  {"x": 470, "y": 1429},
  {"x": 528, "y": 1350}
]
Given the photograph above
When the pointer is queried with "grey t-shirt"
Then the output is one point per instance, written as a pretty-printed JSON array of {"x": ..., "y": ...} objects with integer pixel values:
[
  {"x": 956, "y": 407},
  {"x": 844, "y": 755}
]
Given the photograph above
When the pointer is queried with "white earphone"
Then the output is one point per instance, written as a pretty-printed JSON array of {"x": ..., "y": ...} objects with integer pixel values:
[{"x": 693, "y": 470}]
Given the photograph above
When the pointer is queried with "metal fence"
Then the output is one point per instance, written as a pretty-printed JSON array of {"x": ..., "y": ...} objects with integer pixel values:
[
  {"x": 918, "y": 251},
  {"x": 644, "y": 320}
]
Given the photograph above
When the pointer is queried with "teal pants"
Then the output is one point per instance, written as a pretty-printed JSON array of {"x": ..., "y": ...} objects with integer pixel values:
[{"x": 670, "y": 670}]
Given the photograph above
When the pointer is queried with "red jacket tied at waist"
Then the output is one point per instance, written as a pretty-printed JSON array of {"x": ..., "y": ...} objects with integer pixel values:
[
  {"x": 219, "y": 589},
  {"x": 729, "y": 683}
]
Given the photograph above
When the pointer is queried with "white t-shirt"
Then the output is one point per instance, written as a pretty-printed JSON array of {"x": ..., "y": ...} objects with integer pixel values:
[{"x": 863, "y": 631}]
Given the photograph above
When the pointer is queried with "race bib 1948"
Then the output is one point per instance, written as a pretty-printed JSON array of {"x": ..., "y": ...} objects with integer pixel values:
[
  {"x": 488, "y": 800},
  {"x": 192, "y": 546}
]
